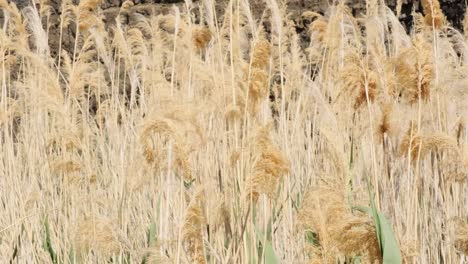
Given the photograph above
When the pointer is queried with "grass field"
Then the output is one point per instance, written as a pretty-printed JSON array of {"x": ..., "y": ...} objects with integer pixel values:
[{"x": 200, "y": 137}]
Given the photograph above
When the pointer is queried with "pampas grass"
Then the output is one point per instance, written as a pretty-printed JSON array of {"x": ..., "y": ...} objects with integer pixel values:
[
  {"x": 434, "y": 17},
  {"x": 418, "y": 145},
  {"x": 269, "y": 167},
  {"x": 339, "y": 231},
  {"x": 97, "y": 234},
  {"x": 201, "y": 37},
  {"x": 192, "y": 230},
  {"x": 216, "y": 132},
  {"x": 461, "y": 236}
]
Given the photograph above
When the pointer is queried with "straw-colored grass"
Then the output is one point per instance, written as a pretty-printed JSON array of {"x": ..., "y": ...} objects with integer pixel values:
[{"x": 211, "y": 135}]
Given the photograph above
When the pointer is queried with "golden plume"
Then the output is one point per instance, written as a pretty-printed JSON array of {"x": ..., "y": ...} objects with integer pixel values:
[
  {"x": 192, "y": 230},
  {"x": 201, "y": 36},
  {"x": 433, "y": 14},
  {"x": 98, "y": 234},
  {"x": 86, "y": 14},
  {"x": 339, "y": 232},
  {"x": 269, "y": 166},
  {"x": 419, "y": 145}
]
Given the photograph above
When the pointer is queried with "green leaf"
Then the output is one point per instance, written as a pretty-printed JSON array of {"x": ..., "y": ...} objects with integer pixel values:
[
  {"x": 189, "y": 183},
  {"x": 150, "y": 239},
  {"x": 271, "y": 221},
  {"x": 127, "y": 258},
  {"x": 269, "y": 228},
  {"x": 391, "y": 251},
  {"x": 387, "y": 241},
  {"x": 17, "y": 244},
  {"x": 270, "y": 255},
  {"x": 152, "y": 234},
  {"x": 71, "y": 256},
  {"x": 267, "y": 247},
  {"x": 48, "y": 242},
  {"x": 296, "y": 202},
  {"x": 356, "y": 260},
  {"x": 250, "y": 255},
  {"x": 312, "y": 238},
  {"x": 351, "y": 161}
]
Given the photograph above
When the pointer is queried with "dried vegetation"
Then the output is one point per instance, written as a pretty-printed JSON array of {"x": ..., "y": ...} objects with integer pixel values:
[{"x": 200, "y": 137}]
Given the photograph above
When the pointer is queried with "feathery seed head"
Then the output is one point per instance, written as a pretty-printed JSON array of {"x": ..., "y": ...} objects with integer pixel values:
[
  {"x": 419, "y": 145},
  {"x": 260, "y": 54},
  {"x": 201, "y": 36},
  {"x": 269, "y": 167},
  {"x": 433, "y": 14},
  {"x": 87, "y": 17},
  {"x": 99, "y": 235},
  {"x": 339, "y": 231},
  {"x": 192, "y": 230},
  {"x": 127, "y": 5}
]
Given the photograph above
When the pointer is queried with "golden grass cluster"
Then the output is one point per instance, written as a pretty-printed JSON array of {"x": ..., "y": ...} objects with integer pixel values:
[
  {"x": 340, "y": 233},
  {"x": 208, "y": 136},
  {"x": 269, "y": 166}
]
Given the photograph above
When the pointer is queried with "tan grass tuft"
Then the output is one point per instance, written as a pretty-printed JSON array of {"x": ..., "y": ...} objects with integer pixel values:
[
  {"x": 201, "y": 36},
  {"x": 17, "y": 28},
  {"x": 98, "y": 235},
  {"x": 385, "y": 126},
  {"x": 32, "y": 198},
  {"x": 318, "y": 29},
  {"x": 256, "y": 76},
  {"x": 419, "y": 145},
  {"x": 10, "y": 110},
  {"x": 458, "y": 231},
  {"x": 155, "y": 255},
  {"x": 45, "y": 8},
  {"x": 166, "y": 129},
  {"x": 127, "y": 5},
  {"x": 68, "y": 13},
  {"x": 258, "y": 87},
  {"x": 158, "y": 126},
  {"x": 410, "y": 250},
  {"x": 339, "y": 231},
  {"x": 260, "y": 54},
  {"x": 64, "y": 141},
  {"x": 4, "y": 5},
  {"x": 310, "y": 14},
  {"x": 232, "y": 113},
  {"x": 270, "y": 165},
  {"x": 86, "y": 14},
  {"x": 167, "y": 23},
  {"x": 415, "y": 71},
  {"x": 223, "y": 217},
  {"x": 433, "y": 14},
  {"x": 89, "y": 5},
  {"x": 65, "y": 166},
  {"x": 234, "y": 157},
  {"x": 192, "y": 230},
  {"x": 359, "y": 81},
  {"x": 455, "y": 166}
]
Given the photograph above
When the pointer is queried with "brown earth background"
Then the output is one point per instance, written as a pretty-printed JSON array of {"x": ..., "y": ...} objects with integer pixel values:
[{"x": 454, "y": 11}]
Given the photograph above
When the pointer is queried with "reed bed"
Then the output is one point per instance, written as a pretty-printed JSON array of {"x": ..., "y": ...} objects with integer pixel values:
[{"x": 207, "y": 137}]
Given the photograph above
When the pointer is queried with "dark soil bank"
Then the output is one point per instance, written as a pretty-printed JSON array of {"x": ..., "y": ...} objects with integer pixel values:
[{"x": 454, "y": 10}]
